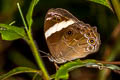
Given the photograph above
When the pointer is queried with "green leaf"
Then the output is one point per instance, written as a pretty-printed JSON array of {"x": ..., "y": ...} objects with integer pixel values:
[
  {"x": 37, "y": 77},
  {"x": 19, "y": 70},
  {"x": 9, "y": 32},
  {"x": 112, "y": 67},
  {"x": 30, "y": 12},
  {"x": 62, "y": 73},
  {"x": 9, "y": 35},
  {"x": 103, "y": 2}
]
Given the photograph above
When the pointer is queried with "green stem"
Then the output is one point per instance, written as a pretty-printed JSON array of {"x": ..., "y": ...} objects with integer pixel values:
[
  {"x": 22, "y": 16},
  {"x": 116, "y": 6},
  {"x": 34, "y": 48},
  {"x": 37, "y": 56}
]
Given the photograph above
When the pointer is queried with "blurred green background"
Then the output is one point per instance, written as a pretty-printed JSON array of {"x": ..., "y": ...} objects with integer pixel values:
[{"x": 17, "y": 53}]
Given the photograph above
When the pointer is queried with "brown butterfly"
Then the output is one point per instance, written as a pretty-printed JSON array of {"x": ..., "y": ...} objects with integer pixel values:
[{"x": 67, "y": 37}]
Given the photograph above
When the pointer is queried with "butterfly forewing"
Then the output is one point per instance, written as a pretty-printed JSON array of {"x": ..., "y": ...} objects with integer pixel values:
[{"x": 58, "y": 15}]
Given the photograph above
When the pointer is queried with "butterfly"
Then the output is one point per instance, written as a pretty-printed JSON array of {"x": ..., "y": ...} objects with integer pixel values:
[{"x": 67, "y": 37}]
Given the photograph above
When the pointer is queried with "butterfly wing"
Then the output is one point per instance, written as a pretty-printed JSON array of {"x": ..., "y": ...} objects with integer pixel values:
[
  {"x": 57, "y": 15},
  {"x": 65, "y": 36}
]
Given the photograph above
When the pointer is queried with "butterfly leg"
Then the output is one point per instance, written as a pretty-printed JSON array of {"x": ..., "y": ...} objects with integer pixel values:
[{"x": 56, "y": 66}]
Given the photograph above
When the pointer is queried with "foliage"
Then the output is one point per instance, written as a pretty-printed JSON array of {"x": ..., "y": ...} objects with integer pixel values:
[
  {"x": 19, "y": 70},
  {"x": 103, "y": 2},
  {"x": 11, "y": 32},
  {"x": 62, "y": 73}
]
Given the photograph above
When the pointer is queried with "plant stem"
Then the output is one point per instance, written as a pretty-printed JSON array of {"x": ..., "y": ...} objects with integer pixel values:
[
  {"x": 34, "y": 48},
  {"x": 22, "y": 16},
  {"x": 36, "y": 54}
]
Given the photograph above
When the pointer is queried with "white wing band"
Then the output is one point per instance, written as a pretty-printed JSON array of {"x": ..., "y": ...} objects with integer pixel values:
[{"x": 58, "y": 27}]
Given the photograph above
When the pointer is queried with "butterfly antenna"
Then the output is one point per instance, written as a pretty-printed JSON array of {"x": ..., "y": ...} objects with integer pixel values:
[
  {"x": 45, "y": 56},
  {"x": 44, "y": 53}
]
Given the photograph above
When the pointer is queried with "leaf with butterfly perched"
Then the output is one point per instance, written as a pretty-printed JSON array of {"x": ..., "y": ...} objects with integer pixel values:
[
  {"x": 30, "y": 12},
  {"x": 62, "y": 73},
  {"x": 19, "y": 70},
  {"x": 103, "y": 2},
  {"x": 9, "y": 32}
]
